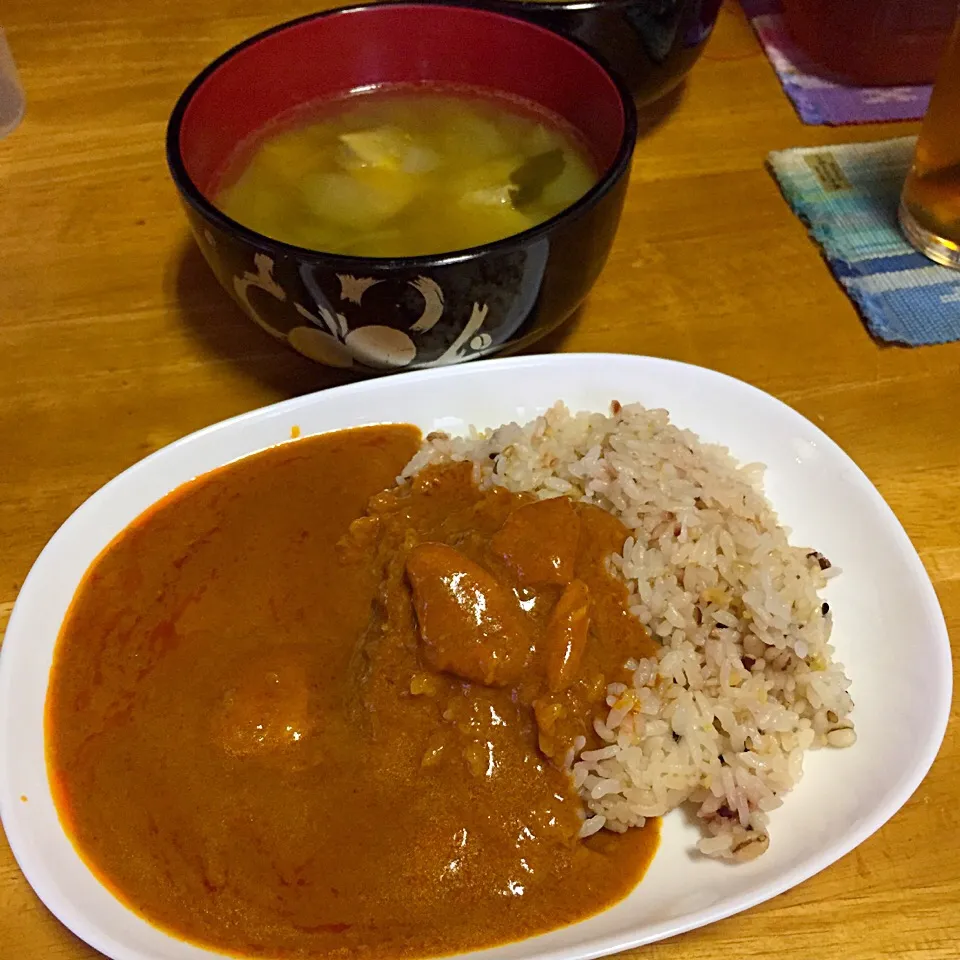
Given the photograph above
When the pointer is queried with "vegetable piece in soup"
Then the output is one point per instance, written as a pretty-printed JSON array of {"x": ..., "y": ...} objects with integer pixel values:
[{"x": 406, "y": 172}]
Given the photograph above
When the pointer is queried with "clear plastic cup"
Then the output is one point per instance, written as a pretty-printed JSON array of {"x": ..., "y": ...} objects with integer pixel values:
[{"x": 12, "y": 100}]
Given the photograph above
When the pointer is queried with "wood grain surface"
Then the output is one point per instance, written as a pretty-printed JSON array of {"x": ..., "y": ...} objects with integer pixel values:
[{"x": 115, "y": 340}]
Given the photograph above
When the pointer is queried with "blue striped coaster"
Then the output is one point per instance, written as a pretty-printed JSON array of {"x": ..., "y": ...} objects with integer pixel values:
[{"x": 848, "y": 195}]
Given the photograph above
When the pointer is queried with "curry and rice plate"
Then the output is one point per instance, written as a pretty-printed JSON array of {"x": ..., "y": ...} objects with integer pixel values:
[{"x": 306, "y": 707}]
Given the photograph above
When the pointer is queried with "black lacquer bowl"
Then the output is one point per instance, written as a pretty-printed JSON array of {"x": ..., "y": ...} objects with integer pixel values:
[
  {"x": 370, "y": 313},
  {"x": 650, "y": 44}
]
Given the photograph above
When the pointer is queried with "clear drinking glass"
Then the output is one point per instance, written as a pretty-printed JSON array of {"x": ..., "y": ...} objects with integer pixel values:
[
  {"x": 930, "y": 202},
  {"x": 12, "y": 100}
]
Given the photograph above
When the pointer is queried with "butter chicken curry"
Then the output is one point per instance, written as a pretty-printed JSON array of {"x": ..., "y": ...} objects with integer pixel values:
[{"x": 292, "y": 715}]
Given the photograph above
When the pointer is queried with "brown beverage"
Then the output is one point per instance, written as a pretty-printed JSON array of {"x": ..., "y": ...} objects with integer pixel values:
[
  {"x": 873, "y": 43},
  {"x": 930, "y": 203}
]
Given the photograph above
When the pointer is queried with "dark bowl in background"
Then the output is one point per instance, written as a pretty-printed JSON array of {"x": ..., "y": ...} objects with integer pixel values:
[
  {"x": 650, "y": 44},
  {"x": 369, "y": 313}
]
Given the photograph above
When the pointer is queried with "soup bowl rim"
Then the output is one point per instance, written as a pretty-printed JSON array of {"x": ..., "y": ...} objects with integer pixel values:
[{"x": 609, "y": 176}]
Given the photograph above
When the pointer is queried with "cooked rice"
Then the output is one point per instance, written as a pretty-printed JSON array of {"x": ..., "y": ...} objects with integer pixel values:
[{"x": 745, "y": 681}]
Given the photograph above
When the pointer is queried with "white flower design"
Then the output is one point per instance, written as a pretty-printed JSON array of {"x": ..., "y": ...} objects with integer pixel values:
[{"x": 328, "y": 338}]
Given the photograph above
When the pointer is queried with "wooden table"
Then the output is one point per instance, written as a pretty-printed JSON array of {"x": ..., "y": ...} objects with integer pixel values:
[{"x": 115, "y": 340}]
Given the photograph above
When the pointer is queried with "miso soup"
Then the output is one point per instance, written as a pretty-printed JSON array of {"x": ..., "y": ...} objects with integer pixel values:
[{"x": 407, "y": 171}]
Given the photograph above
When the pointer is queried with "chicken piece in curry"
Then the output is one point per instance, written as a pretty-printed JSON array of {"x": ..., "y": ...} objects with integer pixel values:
[{"x": 299, "y": 711}]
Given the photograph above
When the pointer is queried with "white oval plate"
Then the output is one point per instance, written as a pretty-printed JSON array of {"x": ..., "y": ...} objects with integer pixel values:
[{"x": 889, "y": 632}]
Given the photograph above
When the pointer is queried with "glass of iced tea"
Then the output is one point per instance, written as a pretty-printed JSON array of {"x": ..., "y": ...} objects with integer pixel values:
[{"x": 930, "y": 203}]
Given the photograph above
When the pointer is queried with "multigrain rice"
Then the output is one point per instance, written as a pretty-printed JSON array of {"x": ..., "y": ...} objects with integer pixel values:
[{"x": 744, "y": 682}]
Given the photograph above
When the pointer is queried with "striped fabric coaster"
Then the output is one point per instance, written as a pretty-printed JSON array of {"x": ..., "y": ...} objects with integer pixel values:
[{"x": 847, "y": 196}]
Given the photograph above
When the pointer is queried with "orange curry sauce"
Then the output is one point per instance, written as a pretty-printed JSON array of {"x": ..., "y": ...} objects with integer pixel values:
[{"x": 295, "y": 714}]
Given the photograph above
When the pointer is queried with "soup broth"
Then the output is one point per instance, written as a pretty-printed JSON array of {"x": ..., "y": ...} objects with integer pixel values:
[{"x": 407, "y": 171}]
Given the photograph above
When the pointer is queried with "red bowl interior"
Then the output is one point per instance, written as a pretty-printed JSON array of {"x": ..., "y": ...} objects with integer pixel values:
[{"x": 331, "y": 54}]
